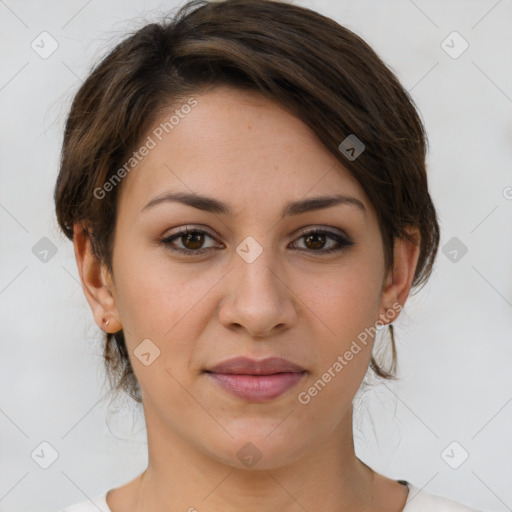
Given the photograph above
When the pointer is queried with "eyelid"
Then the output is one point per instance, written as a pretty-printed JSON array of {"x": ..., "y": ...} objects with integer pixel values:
[
  {"x": 309, "y": 229},
  {"x": 299, "y": 233},
  {"x": 166, "y": 240},
  {"x": 337, "y": 235},
  {"x": 188, "y": 228}
]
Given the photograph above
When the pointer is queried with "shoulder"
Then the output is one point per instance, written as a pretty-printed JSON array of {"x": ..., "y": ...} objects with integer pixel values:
[
  {"x": 422, "y": 501},
  {"x": 98, "y": 504}
]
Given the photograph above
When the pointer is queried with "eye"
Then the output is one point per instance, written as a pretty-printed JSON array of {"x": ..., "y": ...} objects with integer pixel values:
[
  {"x": 316, "y": 239},
  {"x": 191, "y": 239}
]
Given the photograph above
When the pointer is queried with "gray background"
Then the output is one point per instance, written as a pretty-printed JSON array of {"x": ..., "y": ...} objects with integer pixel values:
[{"x": 453, "y": 338}]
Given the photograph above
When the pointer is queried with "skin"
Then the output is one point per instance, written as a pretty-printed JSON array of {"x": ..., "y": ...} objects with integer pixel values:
[{"x": 292, "y": 302}]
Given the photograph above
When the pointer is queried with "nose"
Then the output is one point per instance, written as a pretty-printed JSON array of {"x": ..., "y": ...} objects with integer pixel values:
[{"x": 259, "y": 299}]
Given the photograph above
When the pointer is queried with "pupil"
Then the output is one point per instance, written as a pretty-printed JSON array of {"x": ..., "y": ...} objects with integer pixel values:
[
  {"x": 318, "y": 244},
  {"x": 196, "y": 239}
]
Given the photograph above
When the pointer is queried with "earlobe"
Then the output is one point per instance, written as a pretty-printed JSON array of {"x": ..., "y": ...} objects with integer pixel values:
[
  {"x": 399, "y": 279},
  {"x": 96, "y": 283}
]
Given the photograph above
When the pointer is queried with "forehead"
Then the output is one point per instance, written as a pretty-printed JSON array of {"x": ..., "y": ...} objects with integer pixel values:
[{"x": 236, "y": 144}]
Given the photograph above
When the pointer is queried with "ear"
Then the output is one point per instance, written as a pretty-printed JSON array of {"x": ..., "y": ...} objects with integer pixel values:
[
  {"x": 96, "y": 281},
  {"x": 399, "y": 279}
]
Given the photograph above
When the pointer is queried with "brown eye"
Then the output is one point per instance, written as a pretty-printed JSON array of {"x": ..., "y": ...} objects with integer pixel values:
[
  {"x": 317, "y": 240},
  {"x": 191, "y": 241}
]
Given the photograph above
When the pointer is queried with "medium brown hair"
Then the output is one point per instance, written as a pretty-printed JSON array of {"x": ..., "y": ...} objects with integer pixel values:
[{"x": 323, "y": 73}]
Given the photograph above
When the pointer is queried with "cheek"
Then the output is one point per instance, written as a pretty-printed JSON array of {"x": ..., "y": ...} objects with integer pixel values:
[
  {"x": 346, "y": 301},
  {"x": 344, "y": 311},
  {"x": 162, "y": 301},
  {"x": 347, "y": 305},
  {"x": 145, "y": 290},
  {"x": 343, "y": 332},
  {"x": 157, "y": 303}
]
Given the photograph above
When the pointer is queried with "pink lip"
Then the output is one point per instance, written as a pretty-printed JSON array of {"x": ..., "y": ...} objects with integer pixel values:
[{"x": 256, "y": 381}]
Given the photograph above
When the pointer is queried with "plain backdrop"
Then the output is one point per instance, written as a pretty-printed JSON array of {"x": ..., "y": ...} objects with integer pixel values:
[{"x": 445, "y": 425}]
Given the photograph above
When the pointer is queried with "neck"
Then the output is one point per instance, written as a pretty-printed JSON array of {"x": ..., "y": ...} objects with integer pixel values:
[{"x": 327, "y": 476}]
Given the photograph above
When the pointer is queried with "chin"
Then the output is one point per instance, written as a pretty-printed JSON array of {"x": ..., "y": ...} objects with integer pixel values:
[{"x": 257, "y": 449}]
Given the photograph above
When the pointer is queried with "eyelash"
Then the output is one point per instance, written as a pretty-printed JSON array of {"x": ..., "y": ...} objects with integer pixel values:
[{"x": 342, "y": 241}]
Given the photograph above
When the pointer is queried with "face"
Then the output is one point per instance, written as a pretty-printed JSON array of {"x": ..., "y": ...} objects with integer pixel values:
[{"x": 262, "y": 272}]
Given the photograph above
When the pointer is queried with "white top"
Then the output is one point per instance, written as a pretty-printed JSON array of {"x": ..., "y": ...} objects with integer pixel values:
[{"x": 417, "y": 501}]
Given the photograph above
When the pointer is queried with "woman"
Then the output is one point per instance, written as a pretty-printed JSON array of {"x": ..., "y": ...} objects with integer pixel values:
[{"x": 245, "y": 189}]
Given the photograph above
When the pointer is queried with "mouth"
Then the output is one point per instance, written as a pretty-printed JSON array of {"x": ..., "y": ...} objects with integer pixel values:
[{"x": 256, "y": 381}]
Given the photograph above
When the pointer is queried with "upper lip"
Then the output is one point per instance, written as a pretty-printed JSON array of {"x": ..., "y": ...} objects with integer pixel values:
[{"x": 248, "y": 366}]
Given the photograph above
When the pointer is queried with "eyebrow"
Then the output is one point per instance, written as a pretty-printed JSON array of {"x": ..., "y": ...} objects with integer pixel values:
[{"x": 209, "y": 204}]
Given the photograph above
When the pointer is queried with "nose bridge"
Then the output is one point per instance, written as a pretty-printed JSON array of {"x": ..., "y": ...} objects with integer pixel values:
[
  {"x": 255, "y": 269},
  {"x": 260, "y": 274},
  {"x": 259, "y": 300}
]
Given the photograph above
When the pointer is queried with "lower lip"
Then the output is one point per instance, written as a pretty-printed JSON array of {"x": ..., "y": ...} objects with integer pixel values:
[{"x": 257, "y": 388}]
